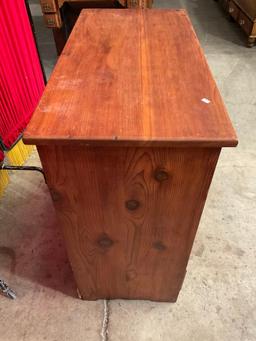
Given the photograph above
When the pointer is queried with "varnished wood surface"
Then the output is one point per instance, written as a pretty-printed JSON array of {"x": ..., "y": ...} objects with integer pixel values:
[
  {"x": 129, "y": 215},
  {"x": 142, "y": 86},
  {"x": 248, "y": 7}
]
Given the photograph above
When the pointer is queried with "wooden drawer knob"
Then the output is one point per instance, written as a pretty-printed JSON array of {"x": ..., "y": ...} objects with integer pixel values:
[
  {"x": 50, "y": 22},
  {"x": 46, "y": 7}
]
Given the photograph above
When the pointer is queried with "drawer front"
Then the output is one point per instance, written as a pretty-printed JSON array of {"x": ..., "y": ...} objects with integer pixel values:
[
  {"x": 245, "y": 23},
  {"x": 233, "y": 10},
  {"x": 53, "y": 20},
  {"x": 48, "y": 6}
]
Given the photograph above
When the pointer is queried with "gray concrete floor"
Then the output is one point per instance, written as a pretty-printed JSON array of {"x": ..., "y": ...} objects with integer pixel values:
[{"x": 218, "y": 298}]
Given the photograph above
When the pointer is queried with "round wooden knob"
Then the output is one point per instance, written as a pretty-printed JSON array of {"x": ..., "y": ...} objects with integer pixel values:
[
  {"x": 132, "y": 205},
  {"x": 161, "y": 175},
  {"x": 46, "y": 7}
]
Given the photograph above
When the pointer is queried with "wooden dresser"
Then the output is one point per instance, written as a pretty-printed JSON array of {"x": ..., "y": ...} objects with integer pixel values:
[
  {"x": 61, "y": 15},
  {"x": 129, "y": 135},
  {"x": 244, "y": 13}
]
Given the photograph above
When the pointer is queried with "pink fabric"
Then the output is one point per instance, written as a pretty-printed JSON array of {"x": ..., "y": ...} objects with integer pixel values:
[{"x": 21, "y": 79}]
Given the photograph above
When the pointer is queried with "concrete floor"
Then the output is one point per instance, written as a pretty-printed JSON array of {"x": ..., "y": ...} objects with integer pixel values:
[{"x": 218, "y": 298}]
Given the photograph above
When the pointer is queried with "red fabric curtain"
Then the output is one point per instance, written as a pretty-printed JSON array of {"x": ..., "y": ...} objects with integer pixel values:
[{"x": 21, "y": 78}]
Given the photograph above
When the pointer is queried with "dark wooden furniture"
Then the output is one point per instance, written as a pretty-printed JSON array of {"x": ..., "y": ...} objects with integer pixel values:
[
  {"x": 244, "y": 13},
  {"x": 61, "y": 15},
  {"x": 129, "y": 135}
]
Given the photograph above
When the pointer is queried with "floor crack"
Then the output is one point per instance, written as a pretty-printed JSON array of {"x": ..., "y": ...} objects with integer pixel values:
[{"x": 105, "y": 321}]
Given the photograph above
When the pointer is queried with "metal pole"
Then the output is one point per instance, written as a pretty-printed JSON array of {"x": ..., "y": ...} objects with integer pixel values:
[{"x": 22, "y": 168}]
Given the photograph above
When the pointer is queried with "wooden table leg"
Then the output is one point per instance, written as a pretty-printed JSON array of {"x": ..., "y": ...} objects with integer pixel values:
[
  {"x": 59, "y": 38},
  {"x": 251, "y": 42}
]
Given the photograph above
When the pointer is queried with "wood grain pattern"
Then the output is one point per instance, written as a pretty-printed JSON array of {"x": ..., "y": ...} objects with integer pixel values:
[
  {"x": 129, "y": 215},
  {"x": 142, "y": 86}
]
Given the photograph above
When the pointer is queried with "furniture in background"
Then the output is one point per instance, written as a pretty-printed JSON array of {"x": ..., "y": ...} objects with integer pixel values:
[
  {"x": 129, "y": 136},
  {"x": 244, "y": 13},
  {"x": 61, "y": 15}
]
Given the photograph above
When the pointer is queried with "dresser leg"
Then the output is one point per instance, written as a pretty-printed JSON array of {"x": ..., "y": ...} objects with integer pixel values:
[
  {"x": 59, "y": 38},
  {"x": 251, "y": 42}
]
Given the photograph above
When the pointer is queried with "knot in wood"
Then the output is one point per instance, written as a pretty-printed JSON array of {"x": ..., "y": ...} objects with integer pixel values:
[
  {"x": 130, "y": 275},
  {"x": 105, "y": 242},
  {"x": 132, "y": 205},
  {"x": 161, "y": 175},
  {"x": 159, "y": 246}
]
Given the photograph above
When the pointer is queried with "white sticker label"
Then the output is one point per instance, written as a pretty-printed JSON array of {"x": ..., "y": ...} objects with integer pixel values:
[{"x": 206, "y": 100}]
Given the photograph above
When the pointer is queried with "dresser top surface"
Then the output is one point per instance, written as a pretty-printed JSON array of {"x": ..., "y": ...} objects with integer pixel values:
[{"x": 132, "y": 77}]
